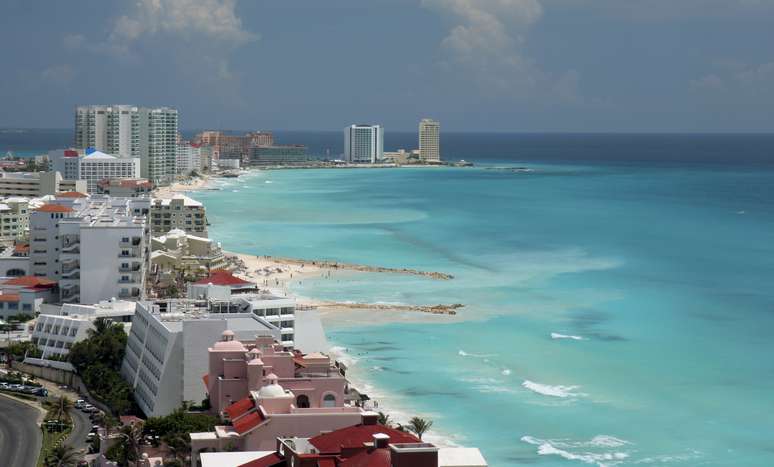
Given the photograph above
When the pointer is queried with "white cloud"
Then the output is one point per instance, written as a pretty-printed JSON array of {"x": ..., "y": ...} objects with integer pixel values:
[
  {"x": 215, "y": 19},
  {"x": 487, "y": 44},
  {"x": 731, "y": 75}
]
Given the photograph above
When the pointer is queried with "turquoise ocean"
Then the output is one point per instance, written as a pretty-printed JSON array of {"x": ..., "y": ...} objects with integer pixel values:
[{"x": 619, "y": 294}]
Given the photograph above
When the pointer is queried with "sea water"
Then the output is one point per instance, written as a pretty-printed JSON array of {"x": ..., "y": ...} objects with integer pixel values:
[{"x": 619, "y": 294}]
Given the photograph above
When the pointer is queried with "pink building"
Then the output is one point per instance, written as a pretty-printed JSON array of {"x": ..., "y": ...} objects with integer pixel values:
[
  {"x": 267, "y": 392},
  {"x": 237, "y": 369}
]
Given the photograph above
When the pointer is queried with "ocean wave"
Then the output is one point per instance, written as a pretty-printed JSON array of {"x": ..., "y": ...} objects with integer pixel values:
[
  {"x": 553, "y": 391},
  {"x": 556, "y": 335},
  {"x": 268, "y": 181},
  {"x": 506, "y": 372},
  {"x": 563, "y": 448},
  {"x": 462, "y": 353}
]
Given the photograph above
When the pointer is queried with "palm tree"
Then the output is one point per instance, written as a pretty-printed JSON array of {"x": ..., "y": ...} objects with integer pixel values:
[
  {"x": 384, "y": 419},
  {"x": 133, "y": 441},
  {"x": 419, "y": 426},
  {"x": 61, "y": 456}
]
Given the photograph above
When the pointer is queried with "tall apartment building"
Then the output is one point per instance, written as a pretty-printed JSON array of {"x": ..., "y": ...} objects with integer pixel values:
[
  {"x": 96, "y": 248},
  {"x": 93, "y": 167},
  {"x": 129, "y": 131},
  {"x": 429, "y": 140},
  {"x": 189, "y": 158},
  {"x": 363, "y": 143},
  {"x": 179, "y": 212}
]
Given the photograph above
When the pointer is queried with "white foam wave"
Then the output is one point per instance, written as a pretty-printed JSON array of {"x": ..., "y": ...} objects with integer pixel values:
[
  {"x": 506, "y": 372},
  {"x": 556, "y": 335},
  {"x": 462, "y": 353},
  {"x": 268, "y": 181},
  {"x": 553, "y": 391},
  {"x": 562, "y": 448},
  {"x": 234, "y": 191}
]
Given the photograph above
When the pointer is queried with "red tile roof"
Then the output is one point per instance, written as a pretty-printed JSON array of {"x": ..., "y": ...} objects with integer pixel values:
[
  {"x": 239, "y": 408},
  {"x": 71, "y": 194},
  {"x": 9, "y": 297},
  {"x": 369, "y": 458},
  {"x": 328, "y": 462},
  {"x": 54, "y": 208},
  {"x": 248, "y": 422},
  {"x": 356, "y": 436},
  {"x": 266, "y": 461},
  {"x": 222, "y": 277},
  {"x": 70, "y": 153},
  {"x": 31, "y": 282},
  {"x": 21, "y": 248}
]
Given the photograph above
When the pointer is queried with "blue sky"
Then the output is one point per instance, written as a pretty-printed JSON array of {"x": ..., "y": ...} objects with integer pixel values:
[{"x": 501, "y": 65}]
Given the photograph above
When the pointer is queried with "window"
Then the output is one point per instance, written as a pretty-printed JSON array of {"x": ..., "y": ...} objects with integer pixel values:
[{"x": 329, "y": 400}]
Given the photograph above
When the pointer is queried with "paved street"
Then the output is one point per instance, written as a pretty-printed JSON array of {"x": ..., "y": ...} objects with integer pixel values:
[
  {"x": 81, "y": 428},
  {"x": 20, "y": 436}
]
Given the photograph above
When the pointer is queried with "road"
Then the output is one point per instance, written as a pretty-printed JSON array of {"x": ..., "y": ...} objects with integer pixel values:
[
  {"x": 81, "y": 428},
  {"x": 20, "y": 436}
]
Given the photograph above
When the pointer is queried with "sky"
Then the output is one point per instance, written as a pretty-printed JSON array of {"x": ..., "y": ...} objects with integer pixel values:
[{"x": 474, "y": 65}]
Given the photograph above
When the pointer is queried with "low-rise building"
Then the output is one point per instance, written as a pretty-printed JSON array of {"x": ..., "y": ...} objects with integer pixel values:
[
  {"x": 25, "y": 295},
  {"x": 15, "y": 260},
  {"x": 37, "y": 184},
  {"x": 57, "y": 328},
  {"x": 365, "y": 444},
  {"x": 125, "y": 187},
  {"x": 179, "y": 212},
  {"x": 179, "y": 252},
  {"x": 278, "y": 155},
  {"x": 98, "y": 166}
]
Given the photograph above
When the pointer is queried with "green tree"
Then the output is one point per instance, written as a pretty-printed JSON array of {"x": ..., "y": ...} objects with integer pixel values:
[
  {"x": 59, "y": 409},
  {"x": 419, "y": 426},
  {"x": 61, "y": 456}
]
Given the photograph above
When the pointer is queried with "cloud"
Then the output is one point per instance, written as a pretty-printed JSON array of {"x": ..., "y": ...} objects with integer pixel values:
[
  {"x": 487, "y": 43},
  {"x": 214, "y": 19},
  {"x": 707, "y": 82},
  {"x": 58, "y": 75},
  {"x": 743, "y": 78}
]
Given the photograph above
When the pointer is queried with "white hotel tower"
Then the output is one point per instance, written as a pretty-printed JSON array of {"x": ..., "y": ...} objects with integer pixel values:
[
  {"x": 129, "y": 131},
  {"x": 363, "y": 144},
  {"x": 429, "y": 140}
]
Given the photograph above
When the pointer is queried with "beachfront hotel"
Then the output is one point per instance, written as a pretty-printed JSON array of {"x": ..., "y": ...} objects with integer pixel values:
[
  {"x": 429, "y": 140},
  {"x": 266, "y": 392},
  {"x": 37, "y": 184},
  {"x": 93, "y": 167},
  {"x": 96, "y": 248},
  {"x": 365, "y": 444},
  {"x": 363, "y": 144},
  {"x": 149, "y": 134},
  {"x": 166, "y": 353}
]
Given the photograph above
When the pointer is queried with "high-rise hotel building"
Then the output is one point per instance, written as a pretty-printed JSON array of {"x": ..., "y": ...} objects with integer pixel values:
[
  {"x": 129, "y": 131},
  {"x": 363, "y": 143},
  {"x": 429, "y": 140}
]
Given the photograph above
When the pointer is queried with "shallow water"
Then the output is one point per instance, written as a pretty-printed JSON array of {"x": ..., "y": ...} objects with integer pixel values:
[{"x": 623, "y": 313}]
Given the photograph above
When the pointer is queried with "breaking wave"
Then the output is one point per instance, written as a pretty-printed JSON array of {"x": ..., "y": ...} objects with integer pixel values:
[
  {"x": 556, "y": 335},
  {"x": 553, "y": 391},
  {"x": 585, "y": 451}
]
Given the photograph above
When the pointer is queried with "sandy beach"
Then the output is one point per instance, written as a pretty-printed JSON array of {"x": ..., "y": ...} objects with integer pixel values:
[
  {"x": 199, "y": 183},
  {"x": 277, "y": 275}
]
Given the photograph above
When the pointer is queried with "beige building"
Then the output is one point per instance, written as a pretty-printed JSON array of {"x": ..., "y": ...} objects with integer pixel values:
[
  {"x": 180, "y": 252},
  {"x": 14, "y": 218},
  {"x": 37, "y": 184},
  {"x": 179, "y": 212},
  {"x": 429, "y": 140}
]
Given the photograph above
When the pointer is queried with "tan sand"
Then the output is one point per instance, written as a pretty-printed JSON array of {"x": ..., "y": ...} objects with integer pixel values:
[{"x": 200, "y": 183}]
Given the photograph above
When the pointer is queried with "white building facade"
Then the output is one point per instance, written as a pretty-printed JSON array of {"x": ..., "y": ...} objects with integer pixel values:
[
  {"x": 149, "y": 134},
  {"x": 363, "y": 144},
  {"x": 99, "y": 166},
  {"x": 96, "y": 248},
  {"x": 179, "y": 212},
  {"x": 429, "y": 140},
  {"x": 167, "y": 350}
]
